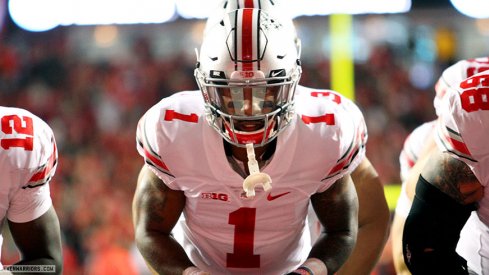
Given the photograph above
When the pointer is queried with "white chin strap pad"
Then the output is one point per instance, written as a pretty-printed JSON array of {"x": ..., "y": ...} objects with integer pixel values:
[{"x": 256, "y": 177}]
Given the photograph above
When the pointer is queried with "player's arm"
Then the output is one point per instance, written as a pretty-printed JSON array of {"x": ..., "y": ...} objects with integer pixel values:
[
  {"x": 39, "y": 241},
  {"x": 441, "y": 206},
  {"x": 337, "y": 210},
  {"x": 397, "y": 228},
  {"x": 156, "y": 209},
  {"x": 373, "y": 221}
]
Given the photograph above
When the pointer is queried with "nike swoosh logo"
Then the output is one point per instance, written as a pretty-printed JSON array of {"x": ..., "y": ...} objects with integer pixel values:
[
  {"x": 274, "y": 74},
  {"x": 271, "y": 198}
]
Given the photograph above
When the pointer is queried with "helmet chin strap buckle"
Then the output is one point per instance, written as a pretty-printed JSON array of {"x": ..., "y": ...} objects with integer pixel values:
[{"x": 256, "y": 177}]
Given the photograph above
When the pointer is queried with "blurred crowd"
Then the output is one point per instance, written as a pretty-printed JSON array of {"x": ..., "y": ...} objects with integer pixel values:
[{"x": 93, "y": 108}]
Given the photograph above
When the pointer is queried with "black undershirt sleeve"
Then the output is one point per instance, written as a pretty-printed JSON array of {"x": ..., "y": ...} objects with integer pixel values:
[{"x": 432, "y": 230}]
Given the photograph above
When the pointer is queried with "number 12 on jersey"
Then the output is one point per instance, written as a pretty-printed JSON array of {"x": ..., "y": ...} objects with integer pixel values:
[{"x": 23, "y": 125}]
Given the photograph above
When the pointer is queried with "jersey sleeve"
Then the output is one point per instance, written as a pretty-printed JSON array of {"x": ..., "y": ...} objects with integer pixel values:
[
  {"x": 350, "y": 137},
  {"x": 462, "y": 127},
  {"x": 32, "y": 169},
  {"x": 147, "y": 137}
]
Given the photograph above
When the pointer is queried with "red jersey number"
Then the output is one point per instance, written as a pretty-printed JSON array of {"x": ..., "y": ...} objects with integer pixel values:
[
  {"x": 243, "y": 220},
  {"x": 474, "y": 97},
  {"x": 334, "y": 97},
  {"x": 171, "y": 115},
  {"x": 329, "y": 119},
  {"x": 14, "y": 124}
]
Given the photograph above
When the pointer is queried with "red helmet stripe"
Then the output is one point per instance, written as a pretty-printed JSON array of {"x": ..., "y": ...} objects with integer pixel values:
[
  {"x": 247, "y": 40},
  {"x": 249, "y": 4}
]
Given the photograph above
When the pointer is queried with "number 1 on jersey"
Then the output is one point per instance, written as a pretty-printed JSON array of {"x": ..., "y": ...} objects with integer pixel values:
[{"x": 244, "y": 237}]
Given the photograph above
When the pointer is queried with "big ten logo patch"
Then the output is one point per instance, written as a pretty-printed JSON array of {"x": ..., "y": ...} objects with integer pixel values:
[{"x": 215, "y": 196}]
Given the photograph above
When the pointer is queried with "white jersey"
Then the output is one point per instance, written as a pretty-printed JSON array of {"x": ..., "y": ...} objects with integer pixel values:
[
  {"x": 413, "y": 145},
  {"x": 463, "y": 131},
  {"x": 224, "y": 232},
  {"x": 454, "y": 74},
  {"x": 28, "y": 158}
]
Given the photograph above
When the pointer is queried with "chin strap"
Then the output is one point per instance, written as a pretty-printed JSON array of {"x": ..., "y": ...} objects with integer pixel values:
[{"x": 255, "y": 177}]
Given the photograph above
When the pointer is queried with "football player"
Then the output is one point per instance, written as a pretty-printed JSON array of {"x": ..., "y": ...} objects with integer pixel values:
[
  {"x": 373, "y": 217},
  {"x": 416, "y": 148},
  {"x": 373, "y": 210},
  {"x": 244, "y": 184},
  {"x": 451, "y": 183},
  {"x": 28, "y": 160}
]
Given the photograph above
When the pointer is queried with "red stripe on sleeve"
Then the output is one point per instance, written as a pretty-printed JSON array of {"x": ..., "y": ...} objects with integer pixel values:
[
  {"x": 458, "y": 146},
  {"x": 156, "y": 161},
  {"x": 47, "y": 169},
  {"x": 341, "y": 165}
]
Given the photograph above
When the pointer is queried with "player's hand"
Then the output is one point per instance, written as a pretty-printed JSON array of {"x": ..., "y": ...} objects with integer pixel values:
[{"x": 194, "y": 271}]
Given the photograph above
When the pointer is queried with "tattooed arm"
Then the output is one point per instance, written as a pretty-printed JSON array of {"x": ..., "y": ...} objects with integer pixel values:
[
  {"x": 453, "y": 177},
  {"x": 156, "y": 210},
  {"x": 445, "y": 196}
]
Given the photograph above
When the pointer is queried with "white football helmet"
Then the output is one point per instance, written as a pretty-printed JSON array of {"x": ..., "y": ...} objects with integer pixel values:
[{"x": 247, "y": 70}]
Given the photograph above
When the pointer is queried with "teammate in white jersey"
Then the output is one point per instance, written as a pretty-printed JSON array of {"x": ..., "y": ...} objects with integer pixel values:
[
  {"x": 28, "y": 159},
  {"x": 453, "y": 178},
  {"x": 244, "y": 184},
  {"x": 416, "y": 149}
]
